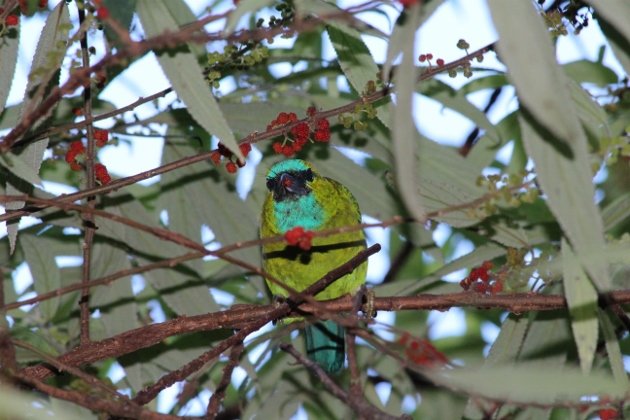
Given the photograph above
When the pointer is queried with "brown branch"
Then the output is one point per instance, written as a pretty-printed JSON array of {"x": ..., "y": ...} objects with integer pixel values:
[
  {"x": 88, "y": 218},
  {"x": 62, "y": 367},
  {"x": 251, "y": 138},
  {"x": 8, "y": 362},
  {"x": 364, "y": 409},
  {"x": 219, "y": 393},
  {"x": 116, "y": 407},
  {"x": 245, "y": 315}
]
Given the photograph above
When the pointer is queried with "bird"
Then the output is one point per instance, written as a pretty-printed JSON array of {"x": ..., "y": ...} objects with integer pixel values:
[{"x": 299, "y": 197}]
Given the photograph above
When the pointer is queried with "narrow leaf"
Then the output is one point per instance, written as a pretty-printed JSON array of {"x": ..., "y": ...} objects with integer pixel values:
[
  {"x": 529, "y": 385},
  {"x": 573, "y": 206},
  {"x": 615, "y": 357},
  {"x": 49, "y": 54},
  {"x": 8, "y": 52},
  {"x": 186, "y": 76},
  {"x": 403, "y": 128},
  {"x": 46, "y": 275},
  {"x": 525, "y": 47},
  {"x": 582, "y": 301}
]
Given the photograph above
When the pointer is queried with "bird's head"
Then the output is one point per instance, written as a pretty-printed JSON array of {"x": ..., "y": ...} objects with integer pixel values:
[{"x": 290, "y": 179}]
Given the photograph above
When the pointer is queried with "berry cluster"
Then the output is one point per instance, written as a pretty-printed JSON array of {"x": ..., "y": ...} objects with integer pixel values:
[
  {"x": 504, "y": 191},
  {"x": 315, "y": 130},
  {"x": 232, "y": 58},
  {"x": 428, "y": 57},
  {"x": 232, "y": 163},
  {"x": 299, "y": 237},
  {"x": 421, "y": 351},
  {"x": 75, "y": 156},
  {"x": 13, "y": 19},
  {"x": 481, "y": 280}
]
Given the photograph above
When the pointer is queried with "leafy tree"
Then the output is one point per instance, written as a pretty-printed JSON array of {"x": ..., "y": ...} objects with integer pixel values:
[{"x": 168, "y": 287}]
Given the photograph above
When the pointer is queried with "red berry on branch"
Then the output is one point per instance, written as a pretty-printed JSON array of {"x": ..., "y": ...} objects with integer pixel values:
[
  {"x": 439, "y": 62},
  {"x": 101, "y": 137},
  {"x": 231, "y": 167},
  {"x": 12, "y": 20},
  {"x": 101, "y": 174},
  {"x": 245, "y": 148},
  {"x": 102, "y": 13}
]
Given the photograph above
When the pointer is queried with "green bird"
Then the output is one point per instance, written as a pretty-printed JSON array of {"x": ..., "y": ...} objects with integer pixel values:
[{"x": 300, "y": 197}]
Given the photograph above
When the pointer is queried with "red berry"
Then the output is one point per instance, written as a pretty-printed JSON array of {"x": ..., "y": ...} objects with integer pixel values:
[
  {"x": 77, "y": 147},
  {"x": 215, "y": 157},
  {"x": 231, "y": 167},
  {"x": 301, "y": 131},
  {"x": 101, "y": 137},
  {"x": 322, "y": 135},
  {"x": 311, "y": 110},
  {"x": 608, "y": 414},
  {"x": 440, "y": 62},
  {"x": 497, "y": 287},
  {"x": 101, "y": 173},
  {"x": 422, "y": 58},
  {"x": 292, "y": 237},
  {"x": 429, "y": 56},
  {"x": 102, "y": 13},
  {"x": 245, "y": 148},
  {"x": 12, "y": 20},
  {"x": 277, "y": 147}
]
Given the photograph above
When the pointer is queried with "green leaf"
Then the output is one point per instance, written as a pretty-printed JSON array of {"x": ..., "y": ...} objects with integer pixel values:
[
  {"x": 116, "y": 303},
  {"x": 18, "y": 165},
  {"x": 20, "y": 405},
  {"x": 582, "y": 302},
  {"x": 525, "y": 47},
  {"x": 456, "y": 100},
  {"x": 186, "y": 76},
  {"x": 404, "y": 132},
  {"x": 616, "y": 12},
  {"x": 617, "y": 211},
  {"x": 584, "y": 71},
  {"x": 25, "y": 166},
  {"x": 615, "y": 357},
  {"x": 531, "y": 385},
  {"x": 122, "y": 12},
  {"x": 46, "y": 275},
  {"x": 242, "y": 8},
  {"x": 49, "y": 55},
  {"x": 569, "y": 189},
  {"x": 9, "y": 53},
  {"x": 355, "y": 60}
]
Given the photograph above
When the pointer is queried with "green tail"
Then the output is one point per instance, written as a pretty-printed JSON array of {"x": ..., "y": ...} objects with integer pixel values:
[{"x": 325, "y": 345}]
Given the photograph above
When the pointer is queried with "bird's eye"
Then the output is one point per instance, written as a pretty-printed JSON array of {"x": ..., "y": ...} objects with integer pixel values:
[
  {"x": 270, "y": 184},
  {"x": 308, "y": 175}
]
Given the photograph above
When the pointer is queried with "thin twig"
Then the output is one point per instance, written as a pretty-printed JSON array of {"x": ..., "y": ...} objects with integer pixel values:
[
  {"x": 219, "y": 393},
  {"x": 88, "y": 218},
  {"x": 359, "y": 405}
]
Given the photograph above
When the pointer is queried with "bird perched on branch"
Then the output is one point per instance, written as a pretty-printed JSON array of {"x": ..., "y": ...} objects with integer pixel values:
[{"x": 301, "y": 201}]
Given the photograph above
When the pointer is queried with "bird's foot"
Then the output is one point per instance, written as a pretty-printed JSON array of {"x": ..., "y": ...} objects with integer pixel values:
[{"x": 365, "y": 301}]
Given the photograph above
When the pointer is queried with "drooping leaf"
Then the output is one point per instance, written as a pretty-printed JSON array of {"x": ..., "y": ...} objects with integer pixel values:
[
  {"x": 404, "y": 131},
  {"x": 582, "y": 301},
  {"x": 573, "y": 206},
  {"x": 185, "y": 74},
  {"x": 46, "y": 275}
]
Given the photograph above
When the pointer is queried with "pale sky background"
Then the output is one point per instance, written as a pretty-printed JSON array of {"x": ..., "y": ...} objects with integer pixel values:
[{"x": 468, "y": 19}]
